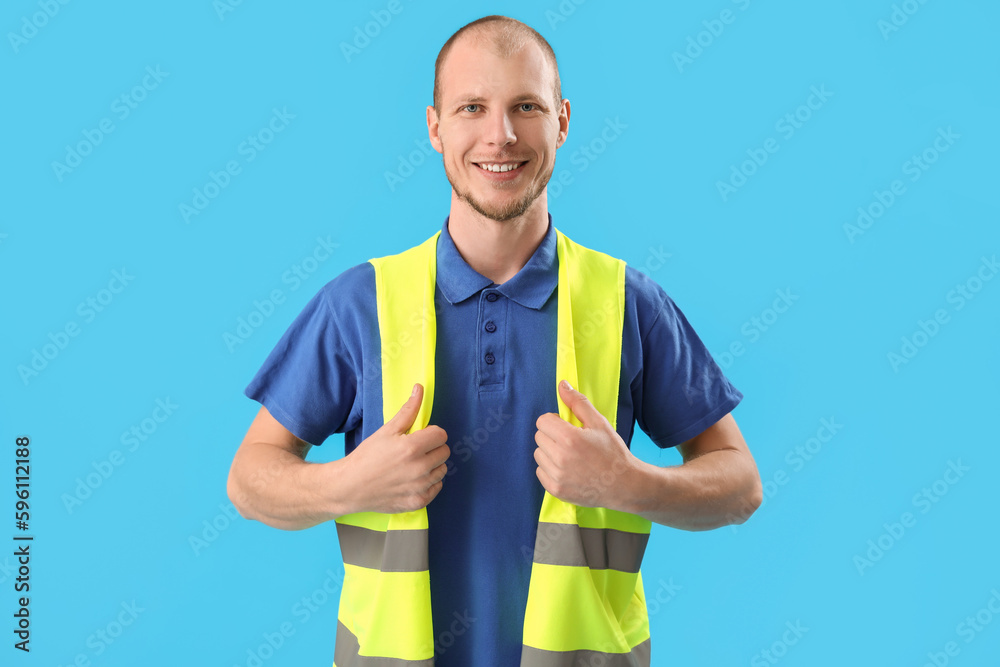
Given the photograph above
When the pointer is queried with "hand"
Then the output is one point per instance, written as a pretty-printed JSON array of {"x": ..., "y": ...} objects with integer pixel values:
[
  {"x": 587, "y": 466},
  {"x": 392, "y": 471}
]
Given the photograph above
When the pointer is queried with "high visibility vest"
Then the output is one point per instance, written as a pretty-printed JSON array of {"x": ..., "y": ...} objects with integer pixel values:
[{"x": 585, "y": 599}]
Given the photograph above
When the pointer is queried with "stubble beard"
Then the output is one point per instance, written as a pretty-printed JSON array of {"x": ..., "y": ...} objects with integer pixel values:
[{"x": 510, "y": 209}]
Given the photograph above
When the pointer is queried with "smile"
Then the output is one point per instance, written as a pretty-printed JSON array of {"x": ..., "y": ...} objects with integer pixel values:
[{"x": 499, "y": 168}]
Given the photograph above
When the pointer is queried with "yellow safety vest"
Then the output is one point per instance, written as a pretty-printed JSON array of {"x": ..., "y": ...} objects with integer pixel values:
[{"x": 585, "y": 599}]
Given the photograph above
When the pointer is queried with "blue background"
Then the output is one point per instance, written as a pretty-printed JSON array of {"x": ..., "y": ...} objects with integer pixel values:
[{"x": 207, "y": 589}]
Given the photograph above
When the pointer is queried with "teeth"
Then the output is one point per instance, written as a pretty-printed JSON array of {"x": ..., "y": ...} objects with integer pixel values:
[{"x": 499, "y": 168}]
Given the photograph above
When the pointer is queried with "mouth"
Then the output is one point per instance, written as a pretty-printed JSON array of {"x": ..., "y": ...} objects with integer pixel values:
[{"x": 500, "y": 167}]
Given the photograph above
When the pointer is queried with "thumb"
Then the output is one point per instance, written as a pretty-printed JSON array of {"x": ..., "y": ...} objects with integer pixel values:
[
  {"x": 581, "y": 406},
  {"x": 404, "y": 418}
]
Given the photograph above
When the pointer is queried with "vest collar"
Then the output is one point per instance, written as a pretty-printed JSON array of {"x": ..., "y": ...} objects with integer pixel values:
[{"x": 530, "y": 287}]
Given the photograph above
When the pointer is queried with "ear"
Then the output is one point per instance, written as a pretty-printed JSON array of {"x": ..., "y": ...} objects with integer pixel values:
[
  {"x": 432, "y": 129},
  {"x": 563, "y": 123}
]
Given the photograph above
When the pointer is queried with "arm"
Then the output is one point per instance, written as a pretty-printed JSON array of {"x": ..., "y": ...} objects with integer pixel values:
[
  {"x": 270, "y": 481},
  {"x": 717, "y": 485},
  {"x": 390, "y": 471}
]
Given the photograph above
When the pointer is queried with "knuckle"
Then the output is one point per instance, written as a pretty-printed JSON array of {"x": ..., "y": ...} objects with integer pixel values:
[{"x": 415, "y": 501}]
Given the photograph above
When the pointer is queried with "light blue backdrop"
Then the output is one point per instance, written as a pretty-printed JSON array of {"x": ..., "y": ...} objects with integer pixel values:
[{"x": 747, "y": 136}]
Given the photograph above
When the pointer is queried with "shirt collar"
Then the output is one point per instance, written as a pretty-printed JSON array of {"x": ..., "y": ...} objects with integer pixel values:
[{"x": 530, "y": 287}]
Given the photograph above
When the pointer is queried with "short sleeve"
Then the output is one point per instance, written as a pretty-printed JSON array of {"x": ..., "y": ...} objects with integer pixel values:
[
  {"x": 683, "y": 389},
  {"x": 308, "y": 382}
]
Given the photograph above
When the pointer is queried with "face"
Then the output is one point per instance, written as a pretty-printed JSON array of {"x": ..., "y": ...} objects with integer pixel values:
[{"x": 497, "y": 113}]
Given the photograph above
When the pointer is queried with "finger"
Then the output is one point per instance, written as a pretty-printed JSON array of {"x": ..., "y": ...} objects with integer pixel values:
[
  {"x": 544, "y": 460},
  {"x": 581, "y": 406},
  {"x": 553, "y": 425},
  {"x": 543, "y": 440},
  {"x": 438, "y": 455},
  {"x": 404, "y": 418},
  {"x": 439, "y": 473},
  {"x": 426, "y": 440},
  {"x": 544, "y": 479},
  {"x": 434, "y": 490}
]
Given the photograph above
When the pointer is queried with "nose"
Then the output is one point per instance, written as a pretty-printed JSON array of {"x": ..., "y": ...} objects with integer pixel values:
[{"x": 499, "y": 129}]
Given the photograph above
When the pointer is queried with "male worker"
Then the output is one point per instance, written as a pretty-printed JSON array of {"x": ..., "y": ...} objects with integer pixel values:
[{"x": 493, "y": 516}]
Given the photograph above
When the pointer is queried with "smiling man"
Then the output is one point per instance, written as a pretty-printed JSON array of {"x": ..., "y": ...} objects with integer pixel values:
[{"x": 488, "y": 507}]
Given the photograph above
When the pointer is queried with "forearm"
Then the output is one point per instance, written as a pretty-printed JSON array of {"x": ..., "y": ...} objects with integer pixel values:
[
  {"x": 277, "y": 488},
  {"x": 716, "y": 489}
]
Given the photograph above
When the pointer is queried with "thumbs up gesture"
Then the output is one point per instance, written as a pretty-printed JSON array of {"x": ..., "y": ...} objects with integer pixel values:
[
  {"x": 394, "y": 471},
  {"x": 589, "y": 466}
]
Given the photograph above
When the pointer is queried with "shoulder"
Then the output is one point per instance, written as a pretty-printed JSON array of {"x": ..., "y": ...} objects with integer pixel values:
[
  {"x": 645, "y": 299},
  {"x": 350, "y": 295},
  {"x": 350, "y": 288}
]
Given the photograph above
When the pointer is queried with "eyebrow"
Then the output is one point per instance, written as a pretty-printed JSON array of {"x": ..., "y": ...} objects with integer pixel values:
[{"x": 475, "y": 99}]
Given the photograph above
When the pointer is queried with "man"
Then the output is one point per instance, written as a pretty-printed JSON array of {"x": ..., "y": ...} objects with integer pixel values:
[{"x": 494, "y": 448}]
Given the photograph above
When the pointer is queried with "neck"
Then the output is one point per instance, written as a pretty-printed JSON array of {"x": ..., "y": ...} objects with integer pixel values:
[{"x": 497, "y": 250}]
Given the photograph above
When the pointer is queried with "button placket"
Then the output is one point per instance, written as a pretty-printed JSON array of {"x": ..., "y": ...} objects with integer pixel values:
[{"x": 492, "y": 310}]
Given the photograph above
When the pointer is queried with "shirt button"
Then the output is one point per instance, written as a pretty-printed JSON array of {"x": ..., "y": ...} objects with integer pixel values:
[
  {"x": 490, "y": 358},
  {"x": 492, "y": 296},
  {"x": 490, "y": 327}
]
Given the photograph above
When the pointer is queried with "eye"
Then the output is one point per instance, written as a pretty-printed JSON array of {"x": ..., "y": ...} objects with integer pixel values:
[
  {"x": 470, "y": 105},
  {"x": 528, "y": 104}
]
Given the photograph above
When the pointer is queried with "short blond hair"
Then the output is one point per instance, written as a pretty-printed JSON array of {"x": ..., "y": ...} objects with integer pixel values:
[{"x": 507, "y": 36}]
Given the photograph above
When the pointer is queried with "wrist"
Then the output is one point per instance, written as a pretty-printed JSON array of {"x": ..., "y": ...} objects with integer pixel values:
[
  {"x": 643, "y": 485},
  {"x": 333, "y": 488}
]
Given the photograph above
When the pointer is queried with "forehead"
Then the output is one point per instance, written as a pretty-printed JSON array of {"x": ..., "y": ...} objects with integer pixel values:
[{"x": 474, "y": 69}]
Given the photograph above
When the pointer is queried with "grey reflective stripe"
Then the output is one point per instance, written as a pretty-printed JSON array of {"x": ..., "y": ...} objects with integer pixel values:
[
  {"x": 596, "y": 548},
  {"x": 346, "y": 654},
  {"x": 536, "y": 657},
  {"x": 389, "y": 551}
]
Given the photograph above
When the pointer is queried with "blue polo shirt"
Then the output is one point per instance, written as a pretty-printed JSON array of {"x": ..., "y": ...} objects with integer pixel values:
[{"x": 494, "y": 375}]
